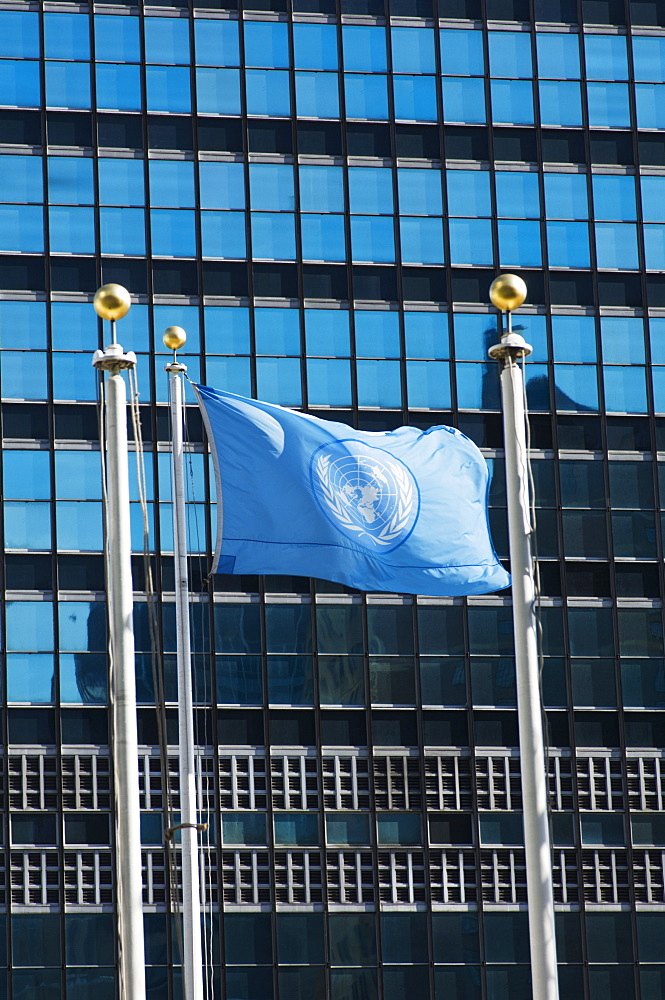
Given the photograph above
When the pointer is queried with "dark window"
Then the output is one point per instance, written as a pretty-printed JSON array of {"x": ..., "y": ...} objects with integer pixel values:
[
  {"x": 292, "y": 729},
  {"x": 419, "y": 142},
  {"x": 325, "y": 281},
  {"x": 76, "y": 422},
  {"x": 562, "y": 11},
  {"x": 320, "y": 137},
  {"x": 66, "y": 129},
  {"x": 637, "y": 580},
  {"x": 84, "y": 725},
  {"x": 644, "y": 729},
  {"x": 562, "y": 147},
  {"x": 651, "y": 147},
  {"x": 394, "y": 729},
  {"x": 170, "y": 132},
  {"x": 495, "y": 729},
  {"x": 466, "y": 143},
  {"x": 75, "y": 274},
  {"x": 445, "y": 729},
  {"x": 471, "y": 286},
  {"x": 424, "y": 284},
  {"x": 508, "y": 10},
  {"x": 247, "y": 939},
  {"x": 468, "y": 9},
  {"x": 588, "y": 579},
  {"x": 412, "y": 8},
  {"x": 224, "y": 278},
  {"x": 368, "y": 140},
  {"x": 597, "y": 729},
  {"x": 22, "y": 272},
  {"x": 579, "y": 433},
  {"x": 375, "y": 283},
  {"x": 656, "y": 290},
  {"x": 25, "y": 420},
  {"x": 619, "y": 289},
  {"x": 28, "y": 726},
  {"x": 450, "y": 828},
  {"x": 223, "y": 134},
  {"x": 612, "y": 148},
  {"x": 175, "y": 277},
  {"x": 270, "y": 137},
  {"x": 81, "y": 572},
  {"x": 570, "y": 288},
  {"x": 120, "y": 131},
  {"x": 21, "y": 128},
  {"x": 603, "y": 12},
  {"x": 315, "y": 6},
  {"x": 342, "y": 729},
  {"x": 276, "y": 280},
  {"x": 485, "y": 429},
  {"x": 515, "y": 144},
  {"x": 31, "y": 572},
  {"x": 628, "y": 434},
  {"x": 375, "y": 8},
  {"x": 129, "y": 273},
  {"x": 87, "y": 828}
]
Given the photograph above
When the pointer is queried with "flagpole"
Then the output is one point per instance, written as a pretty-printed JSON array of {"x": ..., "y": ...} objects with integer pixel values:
[
  {"x": 174, "y": 338},
  {"x": 112, "y": 302},
  {"x": 507, "y": 293}
]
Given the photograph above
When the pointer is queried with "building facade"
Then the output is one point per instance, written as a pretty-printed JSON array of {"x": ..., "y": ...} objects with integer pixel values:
[{"x": 320, "y": 192}]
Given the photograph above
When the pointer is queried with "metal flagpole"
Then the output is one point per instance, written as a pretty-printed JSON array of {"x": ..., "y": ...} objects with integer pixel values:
[
  {"x": 112, "y": 302},
  {"x": 174, "y": 338},
  {"x": 508, "y": 292}
]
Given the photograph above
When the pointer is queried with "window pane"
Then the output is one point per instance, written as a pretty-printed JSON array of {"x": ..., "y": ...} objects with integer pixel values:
[
  {"x": 461, "y": 52},
  {"x": 216, "y": 42}
]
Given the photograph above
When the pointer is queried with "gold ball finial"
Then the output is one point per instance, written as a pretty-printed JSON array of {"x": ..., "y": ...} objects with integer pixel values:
[
  {"x": 174, "y": 337},
  {"x": 507, "y": 292},
  {"x": 112, "y": 301}
]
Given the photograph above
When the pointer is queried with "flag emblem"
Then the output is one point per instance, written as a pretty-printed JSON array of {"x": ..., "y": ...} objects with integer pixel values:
[{"x": 367, "y": 494}]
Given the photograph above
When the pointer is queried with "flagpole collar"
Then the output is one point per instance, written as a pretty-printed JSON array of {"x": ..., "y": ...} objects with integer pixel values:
[{"x": 512, "y": 346}]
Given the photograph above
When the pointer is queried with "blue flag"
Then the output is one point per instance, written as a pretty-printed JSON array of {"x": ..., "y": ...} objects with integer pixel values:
[{"x": 403, "y": 511}]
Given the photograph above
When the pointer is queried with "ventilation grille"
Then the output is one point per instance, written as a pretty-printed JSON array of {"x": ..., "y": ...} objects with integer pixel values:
[
  {"x": 350, "y": 877},
  {"x": 243, "y": 782},
  {"x": 600, "y": 783},
  {"x": 397, "y": 782},
  {"x": 295, "y": 782},
  {"x": 646, "y": 783},
  {"x": 498, "y": 782},
  {"x": 454, "y": 876},
  {"x": 345, "y": 782},
  {"x": 448, "y": 782},
  {"x": 33, "y": 781}
]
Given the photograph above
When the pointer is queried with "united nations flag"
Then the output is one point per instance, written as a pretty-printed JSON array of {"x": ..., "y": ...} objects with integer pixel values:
[{"x": 403, "y": 511}]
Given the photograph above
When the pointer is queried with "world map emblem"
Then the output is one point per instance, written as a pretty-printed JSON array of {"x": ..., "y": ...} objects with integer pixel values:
[{"x": 367, "y": 493}]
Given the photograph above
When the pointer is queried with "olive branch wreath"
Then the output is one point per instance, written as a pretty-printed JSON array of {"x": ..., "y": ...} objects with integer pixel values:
[{"x": 397, "y": 522}]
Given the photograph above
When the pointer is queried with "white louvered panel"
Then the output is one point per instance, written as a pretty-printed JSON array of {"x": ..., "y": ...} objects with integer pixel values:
[
  {"x": 350, "y": 877},
  {"x": 33, "y": 781},
  {"x": 345, "y": 781},
  {"x": 243, "y": 782},
  {"x": 86, "y": 781},
  {"x": 453, "y": 876},
  {"x": 35, "y": 878},
  {"x": 88, "y": 877},
  {"x": 606, "y": 876},
  {"x": 402, "y": 877},
  {"x": 246, "y": 876},
  {"x": 294, "y": 781},
  {"x": 298, "y": 877},
  {"x": 448, "y": 781},
  {"x": 503, "y": 875},
  {"x": 646, "y": 782}
]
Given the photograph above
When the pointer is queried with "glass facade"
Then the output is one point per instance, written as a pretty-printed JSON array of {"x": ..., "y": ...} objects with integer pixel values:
[{"x": 320, "y": 192}]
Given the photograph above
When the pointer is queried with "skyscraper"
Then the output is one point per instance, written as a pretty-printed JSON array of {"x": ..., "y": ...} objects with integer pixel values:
[{"x": 320, "y": 192}]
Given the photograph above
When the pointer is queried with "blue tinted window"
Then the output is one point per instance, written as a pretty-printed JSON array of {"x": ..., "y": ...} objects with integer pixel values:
[
  {"x": 576, "y": 387},
  {"x": 470, "y": 241},
  {"x": 379, "y": 383},
  {"x": 26, "y": 475},
  {"x": 223, "y": 234},
  {"x": 117, "y": 38},
  {"x": 23, "y": 375},
  {"x": 67, "y": 85},
  {"x": 519, "y": 243},
  {"x": 222, "y": 185},
  {"x": 29, "y": 625},
  {"x": 278, "y": 381},
  {"x": 171, "y": 183},
  {"x": 21, "y": 179},
  {"x": 377, "y": 334},
  {"x": 22, "y": 228},
  {"x": 218, "y": 91},
  {"x": 654, "y": 247},
  {"x": 463, "y": 99},
  {"x": 566, "y": 196},
  {"x": 22, "y": 324},
  {"x": 277, "y": 331},
  {"x": 517, "y": 194},
  {"x": 474, "y": 334},
  {"x": 296, "y": 828},
  {"x": 371, "y": 190},
  {"x": 422, "y": 240},
  {"x": 120, "y": 181},
  {"x": 606, "y": 57},
  {"x": 558, "y": 55},
  {"x": 167, "y": 40},
  {"x": 428, "y": 384},
  {"x": 426, "y": 335},
  {"x": 657, "y": 338},
  {"x": 118, "y": 88},
  {"x": 66, "y": 36},
  {"x": 625, "y": 389},
  {"x": 469, "y": 192},
  {"x": 317, "y": 95},
  {"x": 77, "y": 477},
  {"x": 70, "y": 379},
  {"x": 19, "y": 34},
  {"x": 419, "y": 192},
  {"x": 560, "y": 102},
  {"x": 271, "y": 187},
  {"x": 227, "y": 330},
  {"x": 30, "y": 680},
  {"x": 70, "y": 180},
  {"x": 622, "y": 340},
  {"x": 649, "y": 105},
  {"x": 20, "y": 85},
  {"x": 266, "y": 44},
  {"x": 71, "y": 230},
  {"x": 608, "y": 105},
  {"x": 415, "y": 98},
  {"x": 574, "y": 338},
  {"x": 413, "y": 50},
  {"x": 216, "y": 43},
  {"x": 614, "y": 198},
  {"x": 323, "y": 237},
  {"x": 168, "y": 88},
  {"x": 512, "y": 101},
  {"x": 327, "y": 332},
  {"x": 616, "y": 245},
  {"x": 461, "y": 52},
  {"x": 273, "y": 235},
  {"x": 173, "y": 232},
  {"x": 267, "y": 92},
  {"x": 184, "y": 316},
  {"x": 364, "y": 49},
  {"x": 510, "y": 54},
  {"x": 122, "y": 231},
  {"x": 653, "y": 198},
  {"x": 232, "y": 374},
  {"x": 372, "y": 239},
  {"x": 315, "y": 46},
  {"x": 366, "y": 96},
  {"x": 568, "y": 244},
  {"x": 649, "y": 59},
  {"x": 321, "y": 189},
  {"x": 27, "y": 525}
]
